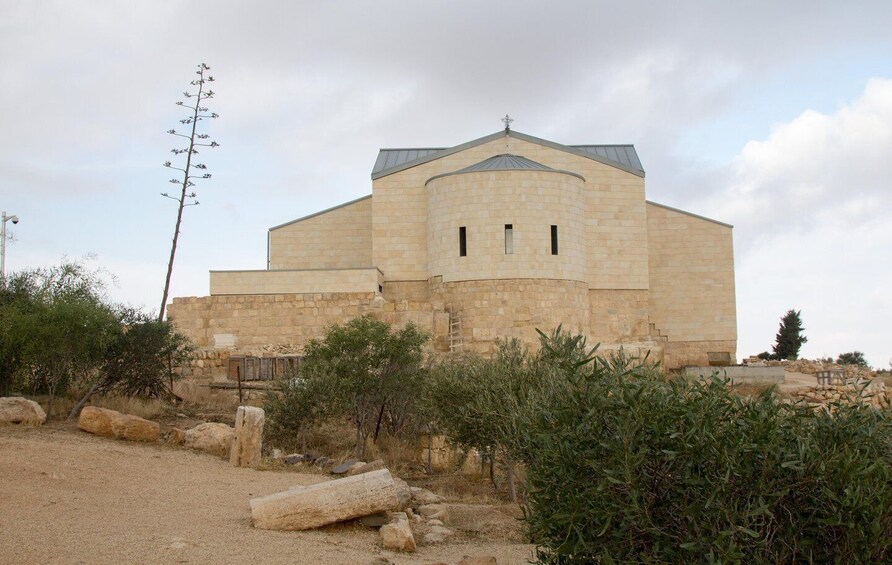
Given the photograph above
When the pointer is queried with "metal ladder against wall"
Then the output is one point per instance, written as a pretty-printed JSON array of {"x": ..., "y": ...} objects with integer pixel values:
[{"x": 456, "y": 336}]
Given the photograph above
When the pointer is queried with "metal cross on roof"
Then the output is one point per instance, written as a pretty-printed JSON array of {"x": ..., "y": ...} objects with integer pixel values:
[{"x": 507, "y": 119}]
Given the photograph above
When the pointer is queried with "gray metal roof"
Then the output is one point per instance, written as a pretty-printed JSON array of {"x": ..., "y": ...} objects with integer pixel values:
[
  {"x": 390, "y": 158},
  {"x": 505, "y": 162},
  {"x": 624, "y": 154},
  {"x": 394, "y": 160}
]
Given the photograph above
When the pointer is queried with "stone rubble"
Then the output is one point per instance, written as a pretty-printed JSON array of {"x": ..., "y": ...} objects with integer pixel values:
[{"x": 874, "y": 393}]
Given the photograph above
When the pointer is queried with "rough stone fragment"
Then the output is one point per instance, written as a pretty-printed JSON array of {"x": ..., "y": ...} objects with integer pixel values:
[
  {"x": 366, "y": 467},
  {"x": 247, "y": 439},
  {"x": 403, "y": 492},
  {"x": 421, "y": 496},
  {"x": 437, "y": 511},
  {"x": 436, "y": 535},
  {"x": 295, "y": 458},
  {"x": 397, "y": 535},
  {"x": 325, "y": 503},
  {"x": 109, "y": 423},
  {"x": 176, "y": 436},
  {"x": 210, "y": 437},
  {"x": 17, "y": 410}
]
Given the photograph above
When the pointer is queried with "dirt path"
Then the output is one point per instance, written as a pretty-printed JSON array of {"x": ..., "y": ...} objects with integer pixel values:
[{"x": 69, "y": 497}]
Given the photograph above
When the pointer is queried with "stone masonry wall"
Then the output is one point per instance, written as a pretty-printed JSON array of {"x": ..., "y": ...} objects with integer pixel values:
[{"x": 514, "y": 308}]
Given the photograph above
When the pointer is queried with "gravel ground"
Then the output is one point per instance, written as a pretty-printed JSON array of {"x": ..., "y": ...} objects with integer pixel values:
[{"x": 69, "y": 497}]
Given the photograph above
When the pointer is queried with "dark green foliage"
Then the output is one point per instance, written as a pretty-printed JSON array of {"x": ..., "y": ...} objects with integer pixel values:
[
  {"x": 362, "y": 370},
  {"x": 852, "y": 358},
  {"x": 139, "y": 360},
  {"x": 293, "y": 409},
  {"x": 58, "y": 327},
  {"x": 765, "y": 356},
  {"x": 624, "y": 468},
  {"x": 789, "y": 337}
]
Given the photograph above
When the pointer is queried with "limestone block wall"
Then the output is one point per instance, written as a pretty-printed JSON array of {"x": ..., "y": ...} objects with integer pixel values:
[
  {"x": 514, "y": 308},
  {"x": 484, "y": 202},
  {"x": 251, "y": 323},
  {"x": 692, "y": 297},
  {"x": 619, "y": 316},
  {"x": 616, "y": 220},
  {"x": 337, "y": 238},
  {"x": 296, "y": 281},
  {"x": 248, "y": 321}
]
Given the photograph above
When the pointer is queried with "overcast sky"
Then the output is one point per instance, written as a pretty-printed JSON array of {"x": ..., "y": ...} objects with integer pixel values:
[{"x": 772, "y": 116}]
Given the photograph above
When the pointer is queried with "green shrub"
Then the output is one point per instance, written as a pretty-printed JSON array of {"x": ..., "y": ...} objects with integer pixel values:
[
  {"x": 624, "y": 468},
  {"x": 363, "y": 370}
]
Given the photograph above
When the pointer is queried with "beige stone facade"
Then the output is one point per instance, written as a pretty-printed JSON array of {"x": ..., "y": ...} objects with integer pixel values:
[{"x": 508, "y": 233}]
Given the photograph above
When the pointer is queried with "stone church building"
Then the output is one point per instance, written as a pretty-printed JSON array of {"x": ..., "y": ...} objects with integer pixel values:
[{"x": 489, "y": 239}]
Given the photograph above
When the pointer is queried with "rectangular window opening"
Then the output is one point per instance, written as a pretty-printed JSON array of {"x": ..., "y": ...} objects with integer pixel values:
[
  {"x": 509, "y": 239},
  {"x": 462, "y": 241},
  {"x": 554, "y": 240}
]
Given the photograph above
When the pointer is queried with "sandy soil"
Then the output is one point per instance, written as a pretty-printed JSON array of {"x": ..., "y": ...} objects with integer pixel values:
[{"x": 69, "y": 497}]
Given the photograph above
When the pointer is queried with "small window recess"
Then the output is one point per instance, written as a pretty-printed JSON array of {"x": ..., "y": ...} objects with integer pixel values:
[
  {"x": 462, "y": 241},
  {"x": 380, "y": 289},
  {"x": 554, "y": 240},
  {"x": 509, "y": 239}
]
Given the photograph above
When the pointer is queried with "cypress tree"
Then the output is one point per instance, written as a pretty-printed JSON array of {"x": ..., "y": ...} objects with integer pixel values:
[{"x": 789, "y": 337}]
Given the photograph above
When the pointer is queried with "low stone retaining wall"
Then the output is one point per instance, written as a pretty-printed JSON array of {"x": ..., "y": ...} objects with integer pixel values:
[{"x": 741, "y": 374}]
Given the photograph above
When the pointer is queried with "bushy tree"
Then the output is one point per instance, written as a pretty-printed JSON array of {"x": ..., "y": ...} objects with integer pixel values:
[
  {"x": 790, "y": 336},
  {"x": 138, "y": 361},
  {"x": 367, "y": 371},
  {"x": 58, "y": 326},
  {"x": 852, "y": 358}
]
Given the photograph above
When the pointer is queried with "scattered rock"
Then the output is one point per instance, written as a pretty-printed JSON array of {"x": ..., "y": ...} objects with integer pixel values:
[
  {"x": 109, "y": 423},
  {"x": 380, "y": 561},
  {"x": 247, "y": 439},
  {"x": 421, "y": 496},
  {"x": 375, "y": 520},
  {"x": 403, "y": 492},
  {"x": 176, "y": 436},
  {"x": 17, "y": 410},
  {"x": 488, "y": 560},
  {"x": 276, "y": 454},
  {"x": 437, "y": 535},
  {"x": 397, "y": 535},
  {"x": 358, "y": 468},
  {"x": 296, "y": 458},
  {"x": 435, "y": 511},
  {"x": 344, "y": 467},
  {"x": 434, "y": 522},
  {"x": 210, "y": 437}
]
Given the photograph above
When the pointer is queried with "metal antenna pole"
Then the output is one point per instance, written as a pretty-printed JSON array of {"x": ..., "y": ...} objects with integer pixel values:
[{"x": 3, "y": 249}]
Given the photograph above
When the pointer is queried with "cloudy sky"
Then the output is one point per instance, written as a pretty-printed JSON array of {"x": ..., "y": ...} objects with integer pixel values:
[{"x": 772, "y": 116}]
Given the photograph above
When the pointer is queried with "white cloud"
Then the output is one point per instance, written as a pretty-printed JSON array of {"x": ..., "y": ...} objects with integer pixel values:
[{"x": 810, "y": 204}]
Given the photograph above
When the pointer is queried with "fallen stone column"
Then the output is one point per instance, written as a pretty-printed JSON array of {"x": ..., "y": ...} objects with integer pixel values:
[
  {"x": 247, "y": 440},
  {"x": 316, "y": 505},
  {"x": 109, "y": 423}
]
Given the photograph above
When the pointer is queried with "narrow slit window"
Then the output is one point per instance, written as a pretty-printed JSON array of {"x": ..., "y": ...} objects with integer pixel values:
[
  {"x": 554, "y": 240},
  {"x": 509, "y": 239},
  {"x": 462, "y": 241}
]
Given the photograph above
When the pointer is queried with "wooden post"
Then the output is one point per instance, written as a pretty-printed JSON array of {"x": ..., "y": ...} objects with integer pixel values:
[{"x": 316, "y": 505}]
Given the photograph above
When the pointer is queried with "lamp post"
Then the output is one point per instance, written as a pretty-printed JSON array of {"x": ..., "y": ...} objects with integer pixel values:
[{"x": 15, "y": 220}]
